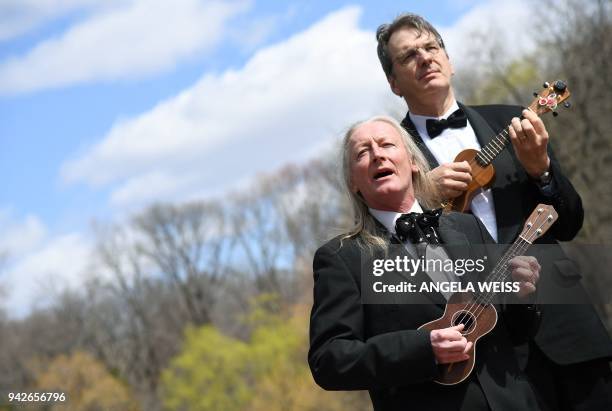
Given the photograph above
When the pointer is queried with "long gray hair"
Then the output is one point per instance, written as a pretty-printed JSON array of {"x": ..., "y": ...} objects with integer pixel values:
[{"x": 365, "y": 228}]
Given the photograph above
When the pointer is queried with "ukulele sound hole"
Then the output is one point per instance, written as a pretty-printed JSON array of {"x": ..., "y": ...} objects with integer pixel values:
[{"x": 467, "y": 319}]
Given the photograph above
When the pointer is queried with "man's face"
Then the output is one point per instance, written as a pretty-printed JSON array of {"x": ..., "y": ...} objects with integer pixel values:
[
  {"x": 381, "y": 168},
  {"x": 420, "y": 67}
]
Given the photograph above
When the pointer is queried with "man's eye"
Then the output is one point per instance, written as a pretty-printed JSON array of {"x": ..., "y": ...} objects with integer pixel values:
[
  {"x": 408, "y": 56},
  {"x": 360, "y": 153}
]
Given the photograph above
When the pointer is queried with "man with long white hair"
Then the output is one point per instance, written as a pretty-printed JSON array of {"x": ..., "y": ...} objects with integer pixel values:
[{"x": 378, "y": 347}]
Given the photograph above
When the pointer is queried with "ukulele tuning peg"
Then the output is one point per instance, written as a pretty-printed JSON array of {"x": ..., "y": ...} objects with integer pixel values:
[
  {"x": 546, "y": 84},
  {"x": 560, "y": 86},
  {"x": 567, "y": 104},
  {"x": 535, "y": 93},
  {"x": 555, "y": 113}
]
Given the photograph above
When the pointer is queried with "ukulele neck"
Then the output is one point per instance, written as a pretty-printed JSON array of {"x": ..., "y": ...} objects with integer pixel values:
[
  {"x": 503, "y": 269},
  {"x": 488, "y": 152}
]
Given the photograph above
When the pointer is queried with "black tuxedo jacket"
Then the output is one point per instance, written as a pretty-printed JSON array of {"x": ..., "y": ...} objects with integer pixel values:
[
  {"x": 355, "y": 346},
  {"x": 568, "y": 333}
]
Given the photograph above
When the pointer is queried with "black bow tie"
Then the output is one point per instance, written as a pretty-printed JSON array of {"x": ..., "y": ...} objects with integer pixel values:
[
  {"x": 456, "y": 120},
  {"x": 419, "y": 227}
]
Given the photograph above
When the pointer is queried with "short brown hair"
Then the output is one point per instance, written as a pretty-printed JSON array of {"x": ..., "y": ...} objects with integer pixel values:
[{"x": 384, "y": 32}]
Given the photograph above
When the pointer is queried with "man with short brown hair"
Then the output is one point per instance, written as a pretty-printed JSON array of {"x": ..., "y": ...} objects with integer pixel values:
[{"x": 569, "y": 361}]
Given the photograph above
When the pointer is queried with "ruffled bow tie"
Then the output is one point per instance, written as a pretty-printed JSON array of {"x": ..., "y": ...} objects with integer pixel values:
[{"x": 419, "y": 227}]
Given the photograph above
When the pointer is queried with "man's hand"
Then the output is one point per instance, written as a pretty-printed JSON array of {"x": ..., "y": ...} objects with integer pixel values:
[
  {"x": 449, "y": 345},
  {"x": 452, "y": 179},
  {"x": 530, "y": 139},
  {"x": 525, "y": 270}
]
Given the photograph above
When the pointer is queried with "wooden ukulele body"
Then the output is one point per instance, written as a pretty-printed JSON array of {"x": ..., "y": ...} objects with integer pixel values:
[
  {"x": 478, "y": 321},
  {"x": 482, "y": 177},
  {"x": 480, "y": 318}
]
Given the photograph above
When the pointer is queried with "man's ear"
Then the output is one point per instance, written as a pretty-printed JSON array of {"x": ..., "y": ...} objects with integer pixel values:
[{"x": 393, "y": 84}]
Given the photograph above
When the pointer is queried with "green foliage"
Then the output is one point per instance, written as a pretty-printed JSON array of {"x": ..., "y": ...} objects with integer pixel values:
[
  {"x": 217, "y": 372},
  {"x": 267, "y": 372},
  {"x": 208, "y": 374}
]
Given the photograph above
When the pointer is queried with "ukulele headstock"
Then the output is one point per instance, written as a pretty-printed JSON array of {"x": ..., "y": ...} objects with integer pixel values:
[
  {"x": 550, "y": 97},
  {"x": 539, "y": 222}
]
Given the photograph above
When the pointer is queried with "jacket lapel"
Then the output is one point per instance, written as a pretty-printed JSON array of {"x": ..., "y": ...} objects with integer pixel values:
[
  {"x": 456, "y": 243},
  {"x": 416, "y": 137},
  {"x": 399, "y": 250}
]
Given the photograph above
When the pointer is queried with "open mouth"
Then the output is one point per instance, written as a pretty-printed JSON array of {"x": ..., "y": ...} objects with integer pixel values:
[{"x": 382, "y": 174}]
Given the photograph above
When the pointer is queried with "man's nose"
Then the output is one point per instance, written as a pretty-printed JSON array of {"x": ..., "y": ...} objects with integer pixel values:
[
  {"x": 378, "y": 153},
  {"x": 424, "y": 56}
]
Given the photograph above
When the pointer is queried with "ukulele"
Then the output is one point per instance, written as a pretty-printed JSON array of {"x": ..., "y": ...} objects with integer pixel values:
[
  {"x": 475, "y": 310},
  {"x": 483, "y": 173}
]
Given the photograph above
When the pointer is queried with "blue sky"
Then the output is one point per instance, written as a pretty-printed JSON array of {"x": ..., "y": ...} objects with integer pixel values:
[{"x": 107, "y": 106}]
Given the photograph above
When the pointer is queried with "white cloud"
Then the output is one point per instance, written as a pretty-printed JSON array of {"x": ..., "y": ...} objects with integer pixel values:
[
  {"x": 18, "y": 236},
  {"x": 287, "y": 101},
  {"x": 33, "y": 280},
  {"x": 287, "y": 98},
  {"x": 37, "y": 265},
  {"x": 142, "y": 37},
  {"x": 18, "y": 17},
  {"x": 509, "y": 24},
  {"x": 140, "y": 187}
]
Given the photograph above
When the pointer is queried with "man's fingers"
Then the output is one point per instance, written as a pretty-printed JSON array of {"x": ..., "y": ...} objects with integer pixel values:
[
  {"x": 454, "y": 346},
  {"x": 460, "y": 166},
  {"x": 529, "y": 132},
  {"x": 450, "y": 333},
  {"x": 513, "y": 136},
  {"x": 521, "y": 261},
  {"x": 447, "y": 356},
  {"x": 525, "y": 268},
  {"x": 526, "y": 288},
  {"x": 455, "y": 184},
  {"x": 522, "y": 274},
  {"x": 533, "y": 263},
  {"x": 535, "y": 121},
  {"x": 455, "y": 171},
  {"x": 516, "y": 126},
  {"x": 452, "y": 178},
  {"x": 459, "y": 176}
]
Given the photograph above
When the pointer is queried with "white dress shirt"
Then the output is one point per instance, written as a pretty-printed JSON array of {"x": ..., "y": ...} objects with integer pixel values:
[
  {"x": 388, "y": 219},
  {"x": 445, "y": 148}
]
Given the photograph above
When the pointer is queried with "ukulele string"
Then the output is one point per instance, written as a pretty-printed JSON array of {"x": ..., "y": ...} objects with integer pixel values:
[
  {"x": 501, "y": 271},
  {"x": 477, "y": 301},
  {"x": 521, "y": 248},
  {"x": 502, "y": 262}
]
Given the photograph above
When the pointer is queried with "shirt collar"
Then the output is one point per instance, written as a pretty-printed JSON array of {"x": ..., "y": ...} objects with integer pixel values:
[
  {"x": 419, "y": 121},
  {"x": 388, "y": 218}
]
